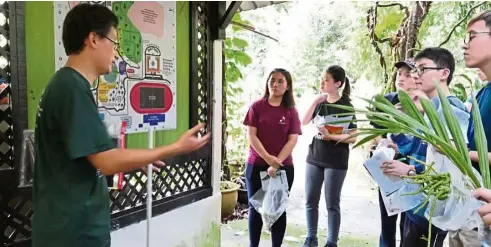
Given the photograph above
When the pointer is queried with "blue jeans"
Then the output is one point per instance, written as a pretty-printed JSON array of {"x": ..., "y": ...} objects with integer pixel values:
[
  {"x": 413, "y": 233},
  {"x": 333, "y": 180},
  {"x": 253, "y": 183}
]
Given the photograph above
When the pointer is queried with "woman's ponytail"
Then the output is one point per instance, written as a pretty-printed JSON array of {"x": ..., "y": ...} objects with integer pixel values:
[{"x": 346, "y": 90}]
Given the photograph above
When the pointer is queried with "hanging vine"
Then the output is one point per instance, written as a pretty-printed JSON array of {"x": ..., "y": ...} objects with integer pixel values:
[
  {"x": 462, "y": 21},
  {"x": 403, "y": 42}
]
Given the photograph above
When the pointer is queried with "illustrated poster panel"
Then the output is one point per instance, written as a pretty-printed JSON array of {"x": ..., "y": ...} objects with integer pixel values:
[{"x": 141, "y": 89}]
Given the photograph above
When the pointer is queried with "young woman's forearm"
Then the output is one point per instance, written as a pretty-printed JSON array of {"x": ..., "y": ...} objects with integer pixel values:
[
  {"x": 258, "y": 146},
  {"x": 288, "y": 148},
  {"x": 308, "y": 115},
  {"x": 342, "y": 137}
]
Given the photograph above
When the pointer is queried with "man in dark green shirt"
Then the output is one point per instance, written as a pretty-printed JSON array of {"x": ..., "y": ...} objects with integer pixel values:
[{"x": 73, "y": 148}]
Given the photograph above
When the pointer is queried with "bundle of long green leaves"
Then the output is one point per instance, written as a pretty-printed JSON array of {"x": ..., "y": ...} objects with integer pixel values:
[{"x": 411, "y": 121}]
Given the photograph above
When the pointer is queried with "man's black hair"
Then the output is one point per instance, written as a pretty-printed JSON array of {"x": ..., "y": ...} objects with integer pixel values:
[
  {"x": 81, "y": 21},
  {"x": 441, "y": 57}
]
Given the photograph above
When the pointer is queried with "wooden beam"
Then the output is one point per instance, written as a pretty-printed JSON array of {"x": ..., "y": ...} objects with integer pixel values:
[{"x": 229, "y": 14}]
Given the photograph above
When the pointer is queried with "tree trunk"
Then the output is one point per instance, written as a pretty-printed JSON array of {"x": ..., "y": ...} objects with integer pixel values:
[
  {"x": 406, "y": 45},
  {"x": 403, "y": 44},
  {"x": 419, "y": 10}
]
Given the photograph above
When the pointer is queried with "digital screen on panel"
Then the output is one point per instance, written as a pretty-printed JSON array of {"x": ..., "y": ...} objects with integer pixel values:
[{"x": 151, "y": 97}]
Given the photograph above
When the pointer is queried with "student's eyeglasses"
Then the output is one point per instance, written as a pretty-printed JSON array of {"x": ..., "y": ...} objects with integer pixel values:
[
  {"x": 471, "y": 35},
  {"x": 421, "y": 70}
]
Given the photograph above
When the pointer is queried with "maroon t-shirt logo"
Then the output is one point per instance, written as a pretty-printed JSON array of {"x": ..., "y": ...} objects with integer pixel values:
[{"x": 282, "y": 120}]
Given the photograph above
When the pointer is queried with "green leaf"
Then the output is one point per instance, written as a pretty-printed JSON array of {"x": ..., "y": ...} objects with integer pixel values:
[
  {"x": 481, "y": 144},
  {"x": 349, "y": 121},
  {"x": 238, "y": 18},
  {"x": 240, "y": 43},
  {"x": 399, "y": 116},
  {"x": 388, "y": 21},
  {"x": 398, "y": 122},
  {"x": 458, "y": 137},
  {"x": 228, "y": 42},
  {"x": 361, "y": 131},
  {"x": 410, "y": 107},
  {"x": 229, "y": 54},
  {"x": 460, "y": 87},
  {"x": 365, "y": 140},
  {"x": 435, "y": 120},
  {"x": 459, "y": 90},
  {"x": 382, "y": 99},
  {"x": 242, "y": 58},
  {"x": 232, "y": 75},
  {"x": 387, "y": 109}
]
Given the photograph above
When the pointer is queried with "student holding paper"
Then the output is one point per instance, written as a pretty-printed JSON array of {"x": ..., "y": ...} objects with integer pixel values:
[
  {"x": 389, "y": 223},
  {"x": 327, "y": 160}
]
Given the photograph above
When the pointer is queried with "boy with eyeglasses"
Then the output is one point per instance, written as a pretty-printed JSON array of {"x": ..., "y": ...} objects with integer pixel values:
[
  {"x": 477, "y": 54},
  {"x": 432, "y": 64}
]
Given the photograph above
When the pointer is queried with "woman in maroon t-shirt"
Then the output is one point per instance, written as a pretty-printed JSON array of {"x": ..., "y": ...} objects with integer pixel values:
[{"x": 273, "y": 126}]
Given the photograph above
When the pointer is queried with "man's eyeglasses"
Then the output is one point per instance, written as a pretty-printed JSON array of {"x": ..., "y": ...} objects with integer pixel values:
[
  {"x": 116, "y": 44},
  {"x": 471, "y": 35},
  {"x": 421, "y": 70}
]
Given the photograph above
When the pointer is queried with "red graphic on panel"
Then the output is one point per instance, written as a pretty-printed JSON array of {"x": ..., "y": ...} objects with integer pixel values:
[{"x": 151, "y": 97}]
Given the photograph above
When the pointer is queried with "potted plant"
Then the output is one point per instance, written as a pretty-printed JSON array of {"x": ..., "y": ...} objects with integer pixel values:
[{"x": 229, "y": 197}]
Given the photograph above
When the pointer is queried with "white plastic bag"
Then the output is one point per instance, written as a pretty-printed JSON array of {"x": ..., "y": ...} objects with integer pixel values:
[
  {"x": 484, "y": 235},
  {"x": 27, "y": 160},
  {"x": 459, "y": 210},
  {"x": 271, "y": 200},
  {"x": 399, "y": 201}
]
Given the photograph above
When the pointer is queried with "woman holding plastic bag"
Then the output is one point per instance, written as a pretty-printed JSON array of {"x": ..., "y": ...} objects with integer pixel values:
[
  {"x": 273, "y": 126},
  {"x": 327, "y": 160}
]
